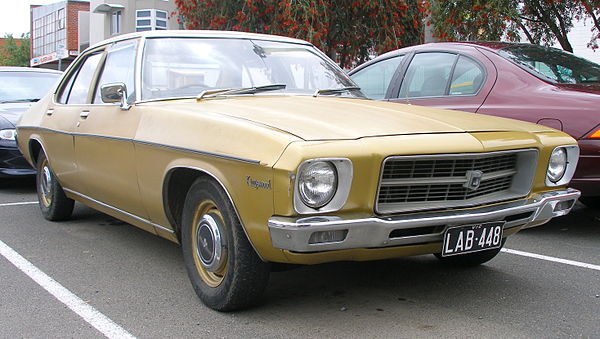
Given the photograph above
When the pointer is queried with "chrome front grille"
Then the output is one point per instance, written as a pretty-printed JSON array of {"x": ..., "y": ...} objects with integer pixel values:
[
  {"x": 444, "y": 181},
  {"x": 435, "y": 168}
]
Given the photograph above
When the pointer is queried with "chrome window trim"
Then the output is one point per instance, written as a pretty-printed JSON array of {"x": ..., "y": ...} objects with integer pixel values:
[
  {"x": 525, "y": 183},
  {"x": 138, "y": 70}
]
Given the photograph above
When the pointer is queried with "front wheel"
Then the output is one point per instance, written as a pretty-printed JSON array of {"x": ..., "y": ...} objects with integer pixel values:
[
  {"x": 471, "y": 259},
  {"x": 224, "y": 269},
  {"x": 54, "y": 203}
]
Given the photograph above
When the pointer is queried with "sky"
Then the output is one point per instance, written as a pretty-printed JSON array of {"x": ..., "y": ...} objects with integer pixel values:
[
  {"x": 14, "y": 15},
  {"x": 14, "y": 19}
]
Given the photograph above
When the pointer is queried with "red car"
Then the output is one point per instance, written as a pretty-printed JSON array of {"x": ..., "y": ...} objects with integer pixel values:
[{"x": 513, "y": 80}]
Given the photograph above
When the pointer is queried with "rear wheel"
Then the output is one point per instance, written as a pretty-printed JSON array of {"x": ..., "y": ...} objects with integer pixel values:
[
  {"x": 224, "y": 269},
  {"x": 471, "y": 259},
  {"x": 54, "y": 203}
]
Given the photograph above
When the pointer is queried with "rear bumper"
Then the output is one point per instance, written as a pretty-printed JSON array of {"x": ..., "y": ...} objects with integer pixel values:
[{"x": 310, "y": 234}]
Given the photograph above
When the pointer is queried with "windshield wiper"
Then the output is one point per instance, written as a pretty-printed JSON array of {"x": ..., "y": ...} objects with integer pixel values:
[
  {"x": 335, "y": 90},
  {"x": 20, "y": 100},
  {"x": 244, "y": 90}
]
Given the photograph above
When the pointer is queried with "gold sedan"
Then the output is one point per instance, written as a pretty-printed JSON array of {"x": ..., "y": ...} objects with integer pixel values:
[{"x": 253, "y": 149}]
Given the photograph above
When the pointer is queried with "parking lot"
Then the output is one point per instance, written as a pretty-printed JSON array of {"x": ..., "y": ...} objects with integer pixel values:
[{"x": 118, "y": 281}]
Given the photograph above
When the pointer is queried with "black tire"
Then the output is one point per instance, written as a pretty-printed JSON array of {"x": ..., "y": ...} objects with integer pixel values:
[
  {"x": 237, "y": 277},
  {"x": 54, "y": 203},
  {"x": 471, "y": 259},
  {"x": 591, "y": 202}
]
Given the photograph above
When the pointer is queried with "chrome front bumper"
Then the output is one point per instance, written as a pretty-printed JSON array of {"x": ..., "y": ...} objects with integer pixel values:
[{"x": 328, "y": 233}]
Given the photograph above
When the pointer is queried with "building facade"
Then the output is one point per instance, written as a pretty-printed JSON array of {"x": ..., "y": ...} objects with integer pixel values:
[
  {"x": 109, "y": 18},
  {"x": 579, "y": 37},
  {"x": 55, "y": 30}
]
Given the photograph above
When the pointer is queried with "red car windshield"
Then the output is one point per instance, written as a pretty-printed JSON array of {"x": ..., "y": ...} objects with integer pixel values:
[{"x": 553, "y": 64}]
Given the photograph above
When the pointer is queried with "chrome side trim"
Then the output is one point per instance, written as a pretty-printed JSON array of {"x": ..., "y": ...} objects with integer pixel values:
[
  {"x": 216, "y": 155},
  {"x": 150, "y": 223},
  {"x": 293, "y": 234},
  {"x": 183, "y": 149}
]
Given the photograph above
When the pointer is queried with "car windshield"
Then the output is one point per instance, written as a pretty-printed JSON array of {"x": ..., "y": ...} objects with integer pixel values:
[
  {"x": 185, "y": 67},
  {"x": 25, "y": 86},
  {"x": 553, "y": 64}
]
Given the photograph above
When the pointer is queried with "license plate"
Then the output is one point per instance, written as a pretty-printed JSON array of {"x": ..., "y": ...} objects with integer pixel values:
[{"x": 472, "y": 238}]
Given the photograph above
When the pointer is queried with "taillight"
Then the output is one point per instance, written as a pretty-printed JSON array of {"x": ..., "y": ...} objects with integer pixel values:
[{"x": 594, "y": 134}]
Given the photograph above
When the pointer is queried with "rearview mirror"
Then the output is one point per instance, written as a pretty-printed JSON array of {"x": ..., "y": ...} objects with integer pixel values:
[{"x": 115, "y": 92}]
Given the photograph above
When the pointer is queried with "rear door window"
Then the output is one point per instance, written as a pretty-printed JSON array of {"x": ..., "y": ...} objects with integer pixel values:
[{"x": 467, "y": 78}]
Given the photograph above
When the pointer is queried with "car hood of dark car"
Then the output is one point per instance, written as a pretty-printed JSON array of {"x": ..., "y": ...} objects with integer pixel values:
[
  {"x": 13, "y": 111},
  {"x": 329, "y": 118}
]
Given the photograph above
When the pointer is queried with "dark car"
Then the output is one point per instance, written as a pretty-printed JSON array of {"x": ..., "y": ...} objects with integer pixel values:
[
  {"x": 520, "y": 81},
  {"x": 19, "y": 88}
]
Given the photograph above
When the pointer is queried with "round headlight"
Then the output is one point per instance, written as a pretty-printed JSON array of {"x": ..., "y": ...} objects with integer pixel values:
[
  {"x": 317, "y": 183},
  {"x": 557, "y": 164}
]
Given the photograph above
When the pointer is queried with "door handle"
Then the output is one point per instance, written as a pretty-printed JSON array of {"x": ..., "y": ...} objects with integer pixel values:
[
  {"x": 50, "y": 111},
  {"x": 84, "y": 114}
]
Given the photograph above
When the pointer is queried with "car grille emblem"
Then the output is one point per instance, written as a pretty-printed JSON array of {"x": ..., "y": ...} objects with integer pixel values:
[{"x": 473, "y": 180}]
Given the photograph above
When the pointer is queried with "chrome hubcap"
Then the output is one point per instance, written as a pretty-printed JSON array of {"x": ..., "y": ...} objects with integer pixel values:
[
  {"x": 46, "y": 181},
  {"x": 209, "y": 245}
]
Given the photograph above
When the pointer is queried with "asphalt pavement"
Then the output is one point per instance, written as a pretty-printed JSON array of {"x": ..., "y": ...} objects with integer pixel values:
[{"x": 120, "y": 281}]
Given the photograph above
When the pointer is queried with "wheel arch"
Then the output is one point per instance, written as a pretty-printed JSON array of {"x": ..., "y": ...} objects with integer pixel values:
[
  {"x": 34, "y": 148},
  {"x": 176, "y": 186}
]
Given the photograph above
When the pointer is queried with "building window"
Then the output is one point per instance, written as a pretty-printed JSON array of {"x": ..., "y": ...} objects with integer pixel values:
[
  {"x": 150, "y": 19},
  {"x": 49, "y": 32},
  {"x": 61, "y": 19},
  {"x": 116, "y": 22}
]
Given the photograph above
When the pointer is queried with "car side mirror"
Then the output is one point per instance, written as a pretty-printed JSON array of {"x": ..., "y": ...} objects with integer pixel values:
[{"x": 115, "y": 92}]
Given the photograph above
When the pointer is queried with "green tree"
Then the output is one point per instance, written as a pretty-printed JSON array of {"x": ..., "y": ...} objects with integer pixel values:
[
  {"x": 541, "y": 21},
  {"x": 13, "y": 54},
  {"x": 347, "y": 30}
]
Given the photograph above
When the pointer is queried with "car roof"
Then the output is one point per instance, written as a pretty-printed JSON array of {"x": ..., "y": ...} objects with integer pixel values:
[
  {"x": 28, "y": 69},
  {"x": 494, "y": 46},
  {"x": 201, "y": 34}
]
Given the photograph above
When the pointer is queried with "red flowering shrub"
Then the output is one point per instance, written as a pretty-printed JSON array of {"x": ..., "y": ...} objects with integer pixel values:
[{"x": 347, "y": 30}]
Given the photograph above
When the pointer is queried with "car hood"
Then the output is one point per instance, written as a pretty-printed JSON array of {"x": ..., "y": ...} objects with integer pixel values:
[
  {"x": 11, "y": 112},
  {"x": 329, "y": 118}
]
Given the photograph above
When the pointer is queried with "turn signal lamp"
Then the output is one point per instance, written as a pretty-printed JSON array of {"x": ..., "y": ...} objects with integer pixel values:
[{"x": 595, "y": 135}]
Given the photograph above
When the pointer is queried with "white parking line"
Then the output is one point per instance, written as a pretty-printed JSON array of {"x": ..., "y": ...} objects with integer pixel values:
[
  {"x": 92, "y": 316},
  {"x": 19, "y": 203},
  {"x": 553, "y": 259}
]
